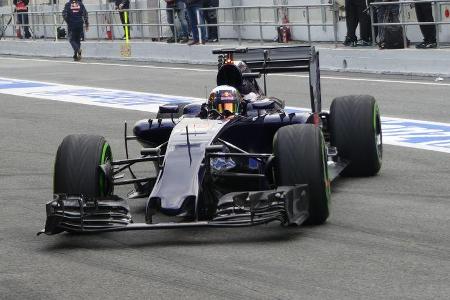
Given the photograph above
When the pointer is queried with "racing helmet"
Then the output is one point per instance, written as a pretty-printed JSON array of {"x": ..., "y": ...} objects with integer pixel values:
[{"x": 225, "y": 98}]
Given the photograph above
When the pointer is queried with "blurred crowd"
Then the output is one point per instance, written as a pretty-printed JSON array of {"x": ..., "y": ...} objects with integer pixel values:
[
  {"x": 185, "y": 16},
  {"x": 189, "y": 16},
  {"x": 357, "y": 13}
]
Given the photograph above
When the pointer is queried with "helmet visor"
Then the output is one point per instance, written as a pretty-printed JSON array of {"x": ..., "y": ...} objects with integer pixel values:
[{"x": 230, "y": 106}]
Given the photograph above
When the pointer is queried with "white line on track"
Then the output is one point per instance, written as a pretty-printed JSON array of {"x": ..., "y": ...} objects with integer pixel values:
[{"x": 214, "y": 71}]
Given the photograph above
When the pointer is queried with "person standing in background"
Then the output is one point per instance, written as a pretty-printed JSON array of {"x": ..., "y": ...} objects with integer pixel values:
[
  {"x": 179, "y": 8},
  {"x": 123, "y": 6},
  {"x": 75, "y": 15},
  {"x": 356, "y": 12},
  {"x": 211, "y": 19},
  {"x": 193, "y": 9},
  {"x": 21, "y": 8},
  {"x": 424, "y": 13}
]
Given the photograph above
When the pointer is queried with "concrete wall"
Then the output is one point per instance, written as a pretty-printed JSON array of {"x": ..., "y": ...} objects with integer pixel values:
[{"x": 405, "y": 61}]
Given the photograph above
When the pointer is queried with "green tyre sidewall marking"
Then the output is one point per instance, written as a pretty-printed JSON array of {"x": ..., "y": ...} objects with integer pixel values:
[
  {"x": 102, "y": 183},
  {"x": 325, "y": 170}
]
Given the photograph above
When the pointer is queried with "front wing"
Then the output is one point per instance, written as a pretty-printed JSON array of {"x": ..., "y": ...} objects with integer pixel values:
[{"x": 75, "y": 213}]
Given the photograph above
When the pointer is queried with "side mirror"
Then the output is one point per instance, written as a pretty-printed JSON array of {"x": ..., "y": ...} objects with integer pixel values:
[
  {"x": 263, "y": 104},
  {"x": 168, "y": 109}
]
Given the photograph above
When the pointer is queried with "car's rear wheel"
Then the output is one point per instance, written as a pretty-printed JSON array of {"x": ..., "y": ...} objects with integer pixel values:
[
  {"x": 77, "y": 166},
  {"x": 300, "y": 157},
  {"x": 355, "y": 128}
]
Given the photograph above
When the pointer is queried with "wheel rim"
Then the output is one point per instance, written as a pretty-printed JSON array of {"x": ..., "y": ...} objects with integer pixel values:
[{"x": 378, "y": 132}]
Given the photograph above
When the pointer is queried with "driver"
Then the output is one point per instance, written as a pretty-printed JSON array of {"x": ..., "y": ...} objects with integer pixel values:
[{"x": 225, "y": 100}]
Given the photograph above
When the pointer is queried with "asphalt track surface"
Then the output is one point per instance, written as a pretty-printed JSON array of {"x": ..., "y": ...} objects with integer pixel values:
[{"x": 388, "y": 236}]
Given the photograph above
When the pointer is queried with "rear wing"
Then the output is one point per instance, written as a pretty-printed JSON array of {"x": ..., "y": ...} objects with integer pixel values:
[{"x": 284, "y": 59}]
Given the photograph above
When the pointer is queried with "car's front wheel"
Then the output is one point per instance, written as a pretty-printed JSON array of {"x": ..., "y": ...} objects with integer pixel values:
[
  {"x": 77, "y": 166},
  {"x": 301, "y": 158}
]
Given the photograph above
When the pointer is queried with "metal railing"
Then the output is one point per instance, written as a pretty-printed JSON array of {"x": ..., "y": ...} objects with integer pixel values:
[
  {"x": 47, "y": 22},
  {"x": 241, "y": 10},
  {"x": 437, "y": 9},
  {"x": 99, "y": 20}
]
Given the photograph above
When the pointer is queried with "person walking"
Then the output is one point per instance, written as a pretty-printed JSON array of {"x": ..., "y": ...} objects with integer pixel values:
[
  {"x": 178, "y": 7},
  {"x": 75, "y": 14},
  {"x": 424, "y": 13},
  {"x": 123, "y": 6},
  {"x": 356, "y": 12},
  {"x": 211, "y": 19},
  {"x": 193, "y": 9},
  {"x": 21, "y": 8}
]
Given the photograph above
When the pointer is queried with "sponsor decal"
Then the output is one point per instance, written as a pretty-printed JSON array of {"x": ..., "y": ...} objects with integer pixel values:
[{"x": 400, "y": 132}]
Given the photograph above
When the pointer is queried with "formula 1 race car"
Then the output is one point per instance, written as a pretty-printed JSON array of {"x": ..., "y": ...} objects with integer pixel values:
[{"x": 239, "y": 159}]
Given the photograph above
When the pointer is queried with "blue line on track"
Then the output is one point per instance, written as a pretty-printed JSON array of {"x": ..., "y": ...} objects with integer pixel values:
[{"x": 402, "y": 132}]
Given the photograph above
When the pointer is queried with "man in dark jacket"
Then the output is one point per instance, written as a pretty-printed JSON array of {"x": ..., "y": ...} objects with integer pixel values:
[
  {"x": 211, "y": 19},
  {"x": 424, "y": 13},
  {"x": 75, "y": 15},
  {"x": 356, "y": 12},
  {"x": 21, "y": 8},
  {"x": 193, "y": 9},
  {"x": 123, "y": 6},
  {"x": 178, "y": 7}
]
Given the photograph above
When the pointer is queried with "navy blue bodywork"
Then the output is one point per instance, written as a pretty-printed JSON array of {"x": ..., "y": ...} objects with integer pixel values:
[
  {"x": 185, "y": 166},
  {"x": 213, "y": 170},
  {"x": 254, "y": 134}
]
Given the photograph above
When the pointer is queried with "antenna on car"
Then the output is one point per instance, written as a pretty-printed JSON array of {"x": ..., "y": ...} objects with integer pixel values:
[
  {"x": 266, "y": 57},
  {"x": 188, "y": 144}
]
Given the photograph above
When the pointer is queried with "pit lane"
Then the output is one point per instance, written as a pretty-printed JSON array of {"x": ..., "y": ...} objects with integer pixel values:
[{"x": 387, "y": 236}]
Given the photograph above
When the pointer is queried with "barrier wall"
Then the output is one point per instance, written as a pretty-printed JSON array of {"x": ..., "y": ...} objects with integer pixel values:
[{"x": 434, "y": 62}]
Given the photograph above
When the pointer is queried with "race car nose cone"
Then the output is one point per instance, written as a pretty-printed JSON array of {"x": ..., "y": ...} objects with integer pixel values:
[{"x": 165, "y": 206}]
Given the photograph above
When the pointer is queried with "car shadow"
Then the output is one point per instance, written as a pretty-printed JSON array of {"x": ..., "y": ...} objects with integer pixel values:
[{"x": 189, "y": 237}]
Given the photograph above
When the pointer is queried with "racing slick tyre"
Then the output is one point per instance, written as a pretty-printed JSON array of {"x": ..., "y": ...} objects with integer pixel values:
[
  {"x": 169, "y": 115},
  {"x": 355, "y": 130},
  {"x": 300, "y": 157},
  {"x": 77, "y": 170}
]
